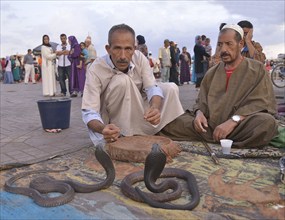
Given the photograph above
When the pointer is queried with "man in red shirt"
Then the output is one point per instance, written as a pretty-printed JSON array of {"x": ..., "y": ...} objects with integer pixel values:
[{"x": 236, "y": 100}]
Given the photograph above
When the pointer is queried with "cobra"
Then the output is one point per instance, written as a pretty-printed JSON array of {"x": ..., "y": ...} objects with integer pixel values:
[
  {"x": 154, "y": 169},
  {"x": 66, "y": 187}
]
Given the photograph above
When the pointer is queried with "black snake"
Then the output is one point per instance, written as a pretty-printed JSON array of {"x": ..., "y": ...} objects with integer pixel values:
[
  {"x": 65, "y": 187},
  {"x": 154, "y": 169}
]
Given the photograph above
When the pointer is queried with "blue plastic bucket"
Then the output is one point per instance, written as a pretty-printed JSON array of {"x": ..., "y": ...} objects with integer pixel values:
[{"x": 55, "y": 113}]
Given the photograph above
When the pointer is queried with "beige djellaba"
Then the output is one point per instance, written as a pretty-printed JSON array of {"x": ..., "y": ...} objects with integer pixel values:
[{"x": 121, "y": 98}]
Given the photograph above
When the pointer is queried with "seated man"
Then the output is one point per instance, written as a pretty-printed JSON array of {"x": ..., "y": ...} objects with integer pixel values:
[
  {"x": 121, "y": 96},
  {"x": 236, "y": 100}
]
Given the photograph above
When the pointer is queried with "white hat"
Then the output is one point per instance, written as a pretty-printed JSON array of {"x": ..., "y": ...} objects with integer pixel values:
[
  {"x": 235, "y": 27},
  {"x": 88, "y": 38}
]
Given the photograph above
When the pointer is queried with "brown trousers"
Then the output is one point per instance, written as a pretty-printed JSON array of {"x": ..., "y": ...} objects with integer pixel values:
[{"x": 255, "y": 131}]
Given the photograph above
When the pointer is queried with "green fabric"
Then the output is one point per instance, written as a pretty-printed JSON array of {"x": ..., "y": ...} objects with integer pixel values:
[{"x": 279, "y": 141}]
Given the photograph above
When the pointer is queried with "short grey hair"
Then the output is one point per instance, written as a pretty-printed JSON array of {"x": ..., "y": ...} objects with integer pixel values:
[{"x": 120, "y": 27}]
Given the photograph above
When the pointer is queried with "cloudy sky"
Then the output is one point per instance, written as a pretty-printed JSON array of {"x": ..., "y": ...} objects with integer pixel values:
[{"x": 23, "y": 23}]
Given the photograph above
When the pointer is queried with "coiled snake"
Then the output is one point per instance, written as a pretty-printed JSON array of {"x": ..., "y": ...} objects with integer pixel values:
[
  {"x": 65, "y": 187},
  {"x": 154, "y": 169}
]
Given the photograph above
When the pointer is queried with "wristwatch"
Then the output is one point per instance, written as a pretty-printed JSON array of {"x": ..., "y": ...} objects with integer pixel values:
[{"x": 236, "y": 118}]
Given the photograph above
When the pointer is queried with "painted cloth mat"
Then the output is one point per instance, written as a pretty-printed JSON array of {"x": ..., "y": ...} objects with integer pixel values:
[
  {"x": 235, "y": 189},
  {"x": 264, "y": 152}
]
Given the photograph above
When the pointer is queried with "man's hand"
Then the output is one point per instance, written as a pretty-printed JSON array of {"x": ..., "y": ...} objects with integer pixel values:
[
  {"x": 249, "y": 44},
  {"x": 200, "y": 122},
  {"x": 111, "y": 133},
  {"x": 152, "y": 115},
  {"x": 58, "y": 53},
  {"x": 224, "y": 129},
  {"x": 248, "y": 37},
  {"x": 65, "y": 52}
]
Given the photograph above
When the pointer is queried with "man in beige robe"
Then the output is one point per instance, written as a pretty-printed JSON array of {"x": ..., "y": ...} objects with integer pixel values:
[
  {"x": 121, "y": 96},
  {"x": 236, "y": 100}
]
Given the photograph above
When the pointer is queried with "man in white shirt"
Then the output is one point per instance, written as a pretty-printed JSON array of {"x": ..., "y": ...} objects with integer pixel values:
[
  {"x": 29, "y": 67},
  {"x": 64, "y": 65},
  {"x": 165, "y": 61}
]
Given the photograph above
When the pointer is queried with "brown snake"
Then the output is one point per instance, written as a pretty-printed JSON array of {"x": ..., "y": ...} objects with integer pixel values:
[{"x": 65, "y": 187}]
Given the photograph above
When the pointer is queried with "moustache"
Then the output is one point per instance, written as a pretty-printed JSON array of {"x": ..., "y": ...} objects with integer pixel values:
[
  {"x": 224, "y": 54},
  {"x": 123, "y": 61}
]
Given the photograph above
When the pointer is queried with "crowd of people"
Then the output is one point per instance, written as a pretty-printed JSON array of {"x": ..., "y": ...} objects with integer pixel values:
[
  {"x": 73, "y": 59},
  {"x": 171, "y": 65},
  {"x": 174, "y": 65},
  {"x": 68, "y": 60},
  {"x": 11, "y": 69}
]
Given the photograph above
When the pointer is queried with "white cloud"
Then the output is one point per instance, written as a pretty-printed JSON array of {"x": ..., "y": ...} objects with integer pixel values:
[
  {"x": 23, "y": 23},
  {"x": 273, "y": 50}
]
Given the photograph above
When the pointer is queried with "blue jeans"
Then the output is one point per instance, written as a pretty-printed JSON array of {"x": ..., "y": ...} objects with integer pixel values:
[{"x": 63, "y": 74}]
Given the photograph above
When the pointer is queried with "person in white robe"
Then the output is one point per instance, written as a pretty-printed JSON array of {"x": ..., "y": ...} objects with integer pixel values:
[{"x": 48, "y": 68}]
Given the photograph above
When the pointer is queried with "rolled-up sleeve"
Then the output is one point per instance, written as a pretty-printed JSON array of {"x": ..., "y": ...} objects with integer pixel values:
[
  {"x": 152, "y": 91},
  {"x": 87, "y": 116}
]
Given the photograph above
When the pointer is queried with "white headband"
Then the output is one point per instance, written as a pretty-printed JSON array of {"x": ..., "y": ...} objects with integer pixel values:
[{"x": 234, "y": 27}]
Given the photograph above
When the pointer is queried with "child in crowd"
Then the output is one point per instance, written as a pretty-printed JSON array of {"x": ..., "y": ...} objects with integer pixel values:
[{"x": 83, "y": 55}]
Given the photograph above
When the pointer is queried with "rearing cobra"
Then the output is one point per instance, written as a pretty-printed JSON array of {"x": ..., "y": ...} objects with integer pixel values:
[
  {"x": 154, "y": 169},
  {"x": 66, "y": 187}
]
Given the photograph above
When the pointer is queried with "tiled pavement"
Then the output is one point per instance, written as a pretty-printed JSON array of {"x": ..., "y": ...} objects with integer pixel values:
[{"x": 23, "y": 139}]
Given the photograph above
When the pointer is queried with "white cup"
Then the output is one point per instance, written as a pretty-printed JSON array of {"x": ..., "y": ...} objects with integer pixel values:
[{"x": 226, "y": 145}]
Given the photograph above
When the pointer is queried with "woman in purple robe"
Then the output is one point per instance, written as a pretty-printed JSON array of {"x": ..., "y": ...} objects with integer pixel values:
[
  {"x": 77, "y": 76},
  {"x": 185, "y": 63}
]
